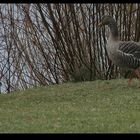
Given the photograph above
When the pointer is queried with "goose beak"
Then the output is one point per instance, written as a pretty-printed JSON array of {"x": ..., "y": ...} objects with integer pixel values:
[{"x": 100, "y": 24}]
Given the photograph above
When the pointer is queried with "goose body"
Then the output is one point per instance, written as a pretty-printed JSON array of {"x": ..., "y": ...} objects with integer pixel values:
[{"x": 122, "y": 53}]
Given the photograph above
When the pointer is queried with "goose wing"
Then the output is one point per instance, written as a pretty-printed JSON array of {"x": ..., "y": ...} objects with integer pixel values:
[
  {"x": 130, "y": 48},
  {"x": 129, "y": 53}
]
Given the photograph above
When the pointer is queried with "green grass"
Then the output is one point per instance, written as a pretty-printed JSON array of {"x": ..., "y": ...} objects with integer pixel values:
[{"x": 87, "y": 107}]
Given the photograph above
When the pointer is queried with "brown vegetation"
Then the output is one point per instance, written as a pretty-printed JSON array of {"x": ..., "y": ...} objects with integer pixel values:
[{"x": 44, "y": 44}]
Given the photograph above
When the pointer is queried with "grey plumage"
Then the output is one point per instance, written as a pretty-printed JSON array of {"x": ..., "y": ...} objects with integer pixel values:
[
  {"x": 130, "y": 53},
  {"x": 122, "y": 53}
]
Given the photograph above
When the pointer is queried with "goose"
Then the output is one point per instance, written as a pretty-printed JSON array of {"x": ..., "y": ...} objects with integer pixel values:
[{"x": 125, "y": 54}]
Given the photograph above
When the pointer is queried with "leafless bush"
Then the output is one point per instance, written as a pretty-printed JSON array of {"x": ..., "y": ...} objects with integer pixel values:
[{"x": 43, "y": 44}]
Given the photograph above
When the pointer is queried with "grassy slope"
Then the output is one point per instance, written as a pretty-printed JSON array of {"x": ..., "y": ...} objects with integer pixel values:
[{"x": 100, "y": 106}]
